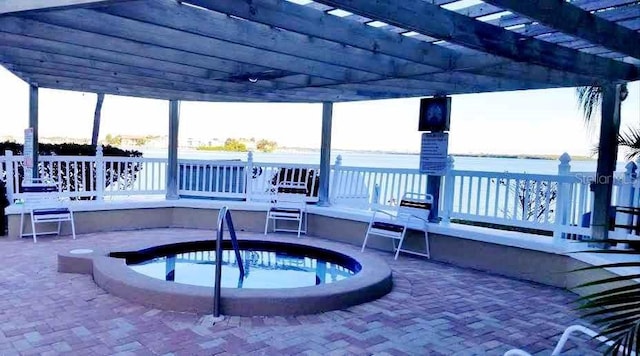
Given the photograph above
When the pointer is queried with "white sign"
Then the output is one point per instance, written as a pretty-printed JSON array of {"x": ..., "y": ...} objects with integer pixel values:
[
  {"x": 433, "y": 153},
  {"x": 28, "y": 153}
]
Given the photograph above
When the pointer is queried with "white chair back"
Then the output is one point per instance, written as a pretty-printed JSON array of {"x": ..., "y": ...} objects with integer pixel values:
[{"x": 415, "y": 204}]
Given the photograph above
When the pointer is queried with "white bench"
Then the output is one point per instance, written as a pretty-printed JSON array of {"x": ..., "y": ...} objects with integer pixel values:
[{"x": 42, "y": 201}]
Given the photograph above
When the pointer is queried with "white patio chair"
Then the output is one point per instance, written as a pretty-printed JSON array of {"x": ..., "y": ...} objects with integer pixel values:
[
  {"x": 42, "y": 202},
  {"x": 288, "y": 204},
  {"x": 413, "y": 211},
  {"x": 563, "y": 340}
]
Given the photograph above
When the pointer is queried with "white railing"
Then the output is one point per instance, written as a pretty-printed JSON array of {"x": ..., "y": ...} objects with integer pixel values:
[{"x": 556, "y": 203}]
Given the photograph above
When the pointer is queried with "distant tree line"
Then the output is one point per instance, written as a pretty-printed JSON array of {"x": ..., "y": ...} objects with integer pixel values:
[{"x": 240, "y": 145}]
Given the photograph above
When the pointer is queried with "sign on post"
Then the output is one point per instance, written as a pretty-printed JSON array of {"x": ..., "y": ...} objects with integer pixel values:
[
  {"x": 433, "y": 153},
  {"x": 28, "y": 153}
]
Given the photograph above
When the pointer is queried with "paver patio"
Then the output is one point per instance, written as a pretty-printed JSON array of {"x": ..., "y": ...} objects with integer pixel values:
[{"x": 434, "y": 309}]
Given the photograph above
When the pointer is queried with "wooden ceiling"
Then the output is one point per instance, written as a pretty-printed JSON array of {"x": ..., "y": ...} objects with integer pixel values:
[{"x": 318, "y": 51}]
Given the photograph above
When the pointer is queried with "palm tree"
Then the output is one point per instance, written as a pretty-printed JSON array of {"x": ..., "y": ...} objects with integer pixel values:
[
  {"x": 616, "y": 308},
  {"x": 589, "y": 100}
]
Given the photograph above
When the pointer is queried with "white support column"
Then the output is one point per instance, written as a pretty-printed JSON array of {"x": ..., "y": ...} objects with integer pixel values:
[
  {"x": 325, "y": 153},
  {"x": 607, "y": 152},
  {"x": 33, "y": 123},
  {"x": 8, "y": 156},
  {"x": 172, "y": 162},
  {"x": 96, "y": 120}
]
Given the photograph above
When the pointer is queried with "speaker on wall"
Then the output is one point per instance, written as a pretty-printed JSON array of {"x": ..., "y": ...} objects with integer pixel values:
[{"x": 435, "y": 114}]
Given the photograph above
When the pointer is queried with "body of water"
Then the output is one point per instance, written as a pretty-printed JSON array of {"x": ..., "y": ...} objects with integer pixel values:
[{"x": 390, "y": 160}]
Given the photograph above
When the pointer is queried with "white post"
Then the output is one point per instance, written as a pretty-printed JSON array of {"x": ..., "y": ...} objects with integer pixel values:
[
  {"x": 100, "y": 173},
  {"x": 248, "y": 185},
  {"x": 325, "y": 154},
  {"x": 563, "y": 196},
  {"x": 33, "y": 123},
  {"x": 449, "y": 190},
  {"x": 8, "y": 156},
  {"x": 172, "y": 160},
  {"x": 337, "y": 179}
]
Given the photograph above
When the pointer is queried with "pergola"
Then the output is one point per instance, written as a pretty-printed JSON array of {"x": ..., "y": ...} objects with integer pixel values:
[{"x": 324, "y": 51}]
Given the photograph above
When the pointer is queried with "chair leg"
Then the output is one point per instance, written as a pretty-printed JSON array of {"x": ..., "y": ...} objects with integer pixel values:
[
  {"x": 59, "y": 227},
  {"x": 21, "y": 224},
  {"x": 299, "y": 225},
  {"x": 426, "y": 244},
  {"x": 364, "y": 243},
  {"x": 33, "y": 229},
  {"x": 266, "y": 224},
  {"x": 73, "y": 227},
  {"x": 400, "y": 244}
]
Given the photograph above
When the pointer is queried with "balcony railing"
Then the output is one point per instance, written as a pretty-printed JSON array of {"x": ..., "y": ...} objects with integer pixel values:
[{"x": 554, "y": 203}]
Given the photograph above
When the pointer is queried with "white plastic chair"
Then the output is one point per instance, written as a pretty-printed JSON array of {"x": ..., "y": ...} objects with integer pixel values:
[
  {"x": 563, "y": 340},
  {"x": 413, "y": 211},
  {"x": 42, "y": 202},
  {"x": 289, "y": 204}
]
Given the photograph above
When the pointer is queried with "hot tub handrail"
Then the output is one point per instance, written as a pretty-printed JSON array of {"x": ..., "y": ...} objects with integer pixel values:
[{"x": 224, "y": 215}]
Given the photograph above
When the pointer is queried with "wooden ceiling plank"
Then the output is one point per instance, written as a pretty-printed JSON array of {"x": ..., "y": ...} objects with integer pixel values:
[
  {"x": 570, "y": 19},
  {"x": 434, "y": 21},
  {"x": 225, "y": 28},
  {"x": 148, "y": 34}
]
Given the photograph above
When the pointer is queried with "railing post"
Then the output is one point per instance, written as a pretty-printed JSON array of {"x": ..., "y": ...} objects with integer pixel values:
[
  {"x": 10, "y": 179},
  {"x": 447, "y": 198},
  {"x": 337, "y": 178},
  {"x": 248, "y": 185},
  {"x": 100, "y": 173},
  {"x": 625, "y": 196},
  {"x": 563, "y": 196}
]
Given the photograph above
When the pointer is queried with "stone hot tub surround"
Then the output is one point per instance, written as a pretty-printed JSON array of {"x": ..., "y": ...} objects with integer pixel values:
[{"x": 113, "y": 275}]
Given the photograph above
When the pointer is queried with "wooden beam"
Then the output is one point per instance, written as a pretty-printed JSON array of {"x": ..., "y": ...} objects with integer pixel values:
[
  {"x": 130, "y": 87},
  {"x": 568, "y": 18},
  {"x": 229, "y": 29},
  {"x": 432, "y": 20},
  {"x": 57, "y": 39},
  {"x": 308, "y": 21},
  {"x": 607, "y": 154},
  {"x": 22, "y": 6},
  {"x": 158, "y": 36}
]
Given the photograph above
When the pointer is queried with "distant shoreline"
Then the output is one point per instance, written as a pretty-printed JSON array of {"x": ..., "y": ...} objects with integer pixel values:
[{"x": 476, "y": 155}]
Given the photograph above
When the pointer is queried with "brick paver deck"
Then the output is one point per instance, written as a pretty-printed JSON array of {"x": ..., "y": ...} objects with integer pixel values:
[{"x": 434, "y": 309}]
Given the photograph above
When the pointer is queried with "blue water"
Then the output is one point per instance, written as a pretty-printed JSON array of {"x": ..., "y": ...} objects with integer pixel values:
[
  {"x": 263, "y": 269},
  {"x": 391, "y": 160}
]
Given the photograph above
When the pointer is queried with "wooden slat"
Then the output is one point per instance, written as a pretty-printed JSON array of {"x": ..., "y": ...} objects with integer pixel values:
[
  {"x": 434, "y": 21},
  {"x": 304, "y": 20},
  {"x": 568, "y": 18},
  {"x": 158, "y": 36},
  {"x": 255, "y": 35}
]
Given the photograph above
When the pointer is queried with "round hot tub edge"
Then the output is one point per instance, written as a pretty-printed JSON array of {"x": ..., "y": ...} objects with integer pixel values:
[{"x": 373, "y": 281}]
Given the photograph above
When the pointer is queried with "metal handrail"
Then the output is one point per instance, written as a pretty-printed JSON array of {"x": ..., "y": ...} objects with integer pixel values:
[{"x": 224, "y": 215}]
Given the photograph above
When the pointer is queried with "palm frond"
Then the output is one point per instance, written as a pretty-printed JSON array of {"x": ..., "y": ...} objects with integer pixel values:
[
  {"x": 615, "y": 307},
  {"x": 589, "y": 100},
  {"x": 630, "y": 139}
]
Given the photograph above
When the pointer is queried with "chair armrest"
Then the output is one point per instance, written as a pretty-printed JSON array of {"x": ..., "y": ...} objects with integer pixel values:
[{"x": 388, "y": 213}]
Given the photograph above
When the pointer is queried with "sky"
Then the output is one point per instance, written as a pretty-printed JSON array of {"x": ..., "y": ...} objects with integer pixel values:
[{"x": 532, "y": 122}]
